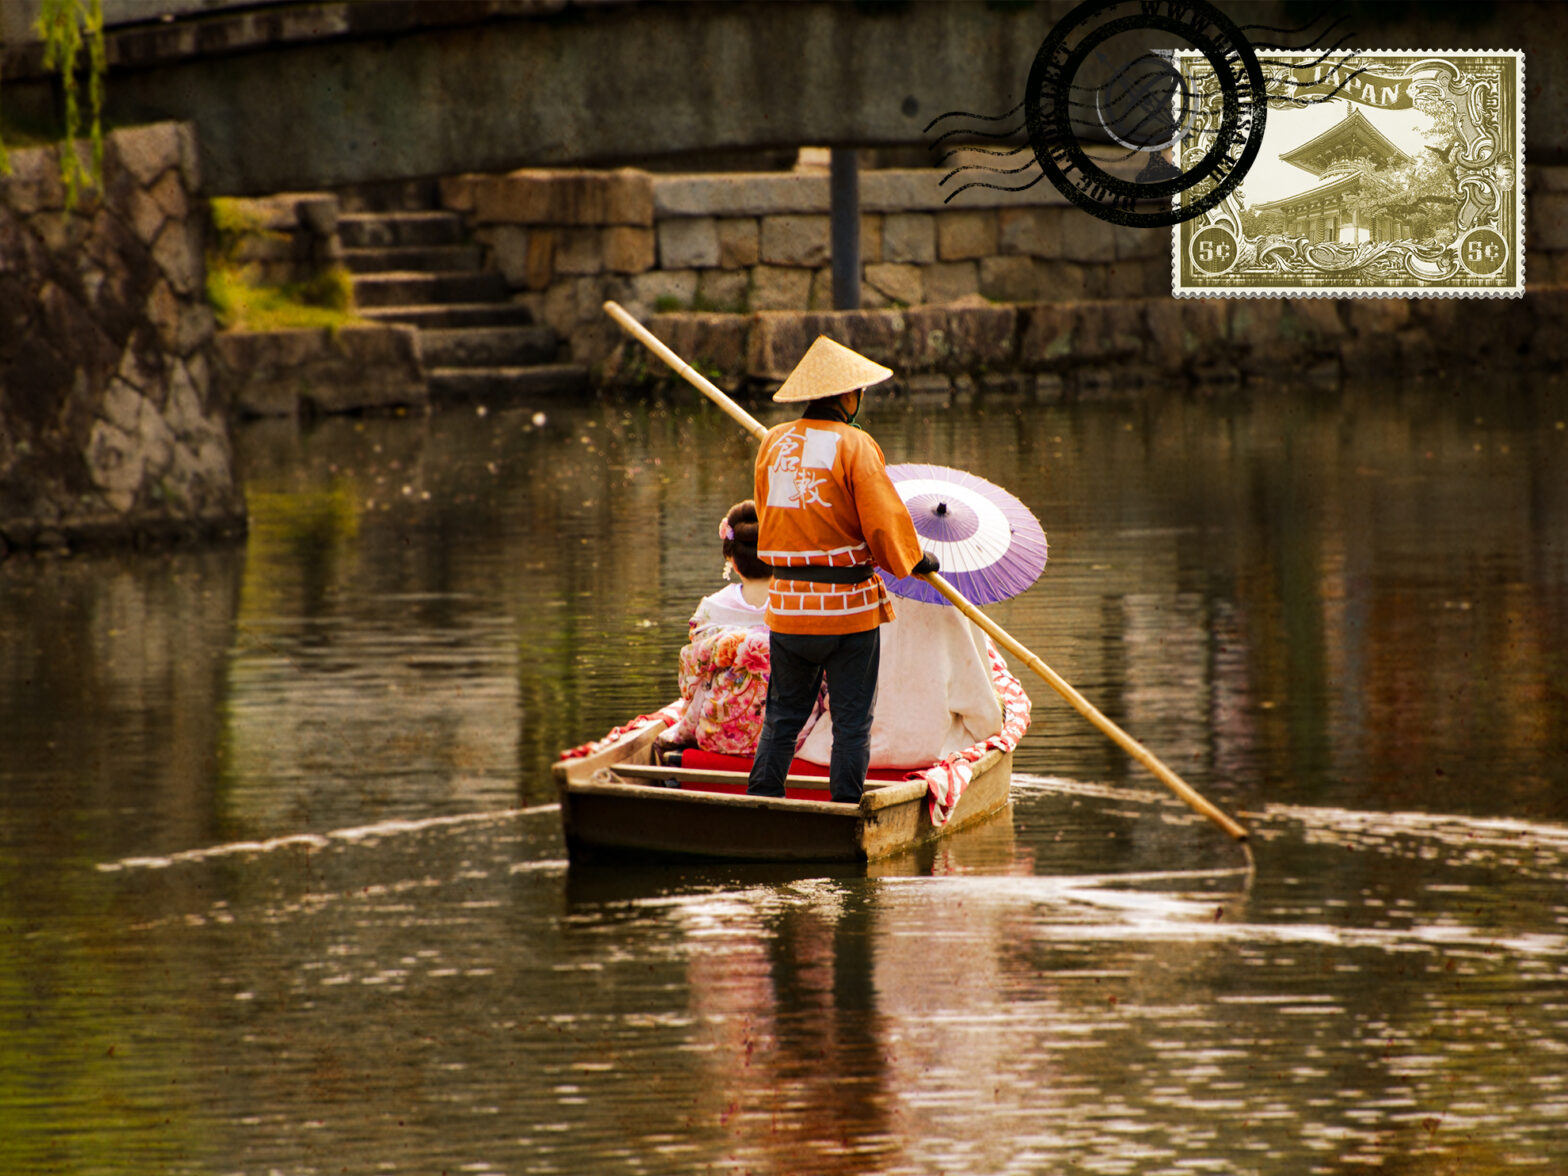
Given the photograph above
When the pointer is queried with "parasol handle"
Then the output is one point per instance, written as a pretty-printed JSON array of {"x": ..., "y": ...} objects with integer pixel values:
[
  {"x": 683, "y": 369},
  {"x": 998, "y": 634}
]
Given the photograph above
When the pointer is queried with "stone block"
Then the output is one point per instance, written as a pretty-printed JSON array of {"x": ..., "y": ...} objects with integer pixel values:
[
  {"x": 688, "y": 243},
  {"x": 1546, "y": 221},
  {"x": 272, "y": 373},
  {"x": 1363, "y": 355},
  {"x": 821, "y": 297},
  {"x": 909, "y": 238},
  {"x": 776, "y": 287},
  {"x": 628, "y": 249},
  {"x": 663, "y": 290},
  {"x": 190, "y": 156},
  {"x": 1168, "y": 341},
  {"x": 170, "y": 196},
  {"x": 162, "y": 309},
  {"x": 540, "y": 197},
  {"x": 456, "y": 193},
  {"x": 1063, "y": 281},
  {"x": 197, "y": 327},
  {"x": 1029, "y": 232},
  {"x": 1088, "y": 238},
  {"x": 34, "y": 184},
  {"x": 950, "y": 281},
  {"x": 1377, "y": 316},
  {"x": 508, "y": 246},
  {"x": 373, "y": 367},
  {"x": 966, "y": 235},
  {"x": 779, "y": 340},
  {"x": 1540, "y": 178},
  {"x": 1124, "y": 279},
  {"x": 539, "y": 268},
  {"x": 723, "y": 290},
  {"x": 146, "y": 216},
  {"x": 579, "y": 251},
  {"x": 1254, "y": 321},
  {"x": 897, "y": 283},
  {"x": 873, "y": 299},
  {"x": 184, "y": 409},
  {"x": 1206, "y": 326},
  {"x": 738, "y": 244},
  {"x": 1157, "y": 277},
  {"x": 148, "y": 151},
  {"x": 958, "y": 338},
  {"x": 710, "y": 342},
  {"x": 1009, "y": 279},
  {"x": 560, "y": 311},
  {"x": 1132, "y": 243},
  {"x": 794, "y": 240},
  {"x": 750, "y": 194},
  {"x": 178, "y": 253},
  {"x": 1047, "y": 335},
  {"x": 1108, "y": 331},
  {"x": 1309, "y": 319},
  {"x": 870, "y": 238}
]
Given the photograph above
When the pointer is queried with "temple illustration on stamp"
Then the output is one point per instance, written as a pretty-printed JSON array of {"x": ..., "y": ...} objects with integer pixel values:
[{"x": 1382, "y": 173}]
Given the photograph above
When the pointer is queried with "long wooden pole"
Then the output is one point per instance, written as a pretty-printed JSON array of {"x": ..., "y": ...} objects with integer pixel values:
[
  {"x": 998, "y": 634},
  {"x": 683, "y": 369}
]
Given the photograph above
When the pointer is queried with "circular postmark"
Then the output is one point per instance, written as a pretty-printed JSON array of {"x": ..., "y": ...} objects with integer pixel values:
[
  {"x": 1056, "y": 99},
  {"x": 1483, "y": 251},
  {"x": 1212, "y": 250}
]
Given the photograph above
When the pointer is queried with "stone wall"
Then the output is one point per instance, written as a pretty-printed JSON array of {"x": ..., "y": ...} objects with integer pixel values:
[
  {"x": 567, "y": 240},
  {"x": 732, "y": 246},
  {"x": 1127, "y": 347},
  {"x": 314, "y": 371},
  {"x": 289, "y": 237},
  {"x": 109, "y": 425}
]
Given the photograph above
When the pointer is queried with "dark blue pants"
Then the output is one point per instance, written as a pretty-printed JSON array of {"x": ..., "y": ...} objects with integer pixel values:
[{"x": 800, "y": 660}]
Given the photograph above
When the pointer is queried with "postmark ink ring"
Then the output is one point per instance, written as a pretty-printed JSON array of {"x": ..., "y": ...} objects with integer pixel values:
[{"x": 1048, "y": 107}]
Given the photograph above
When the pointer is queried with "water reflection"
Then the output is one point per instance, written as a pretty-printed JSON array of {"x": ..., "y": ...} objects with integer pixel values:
[{"x": 282, "y": 887}]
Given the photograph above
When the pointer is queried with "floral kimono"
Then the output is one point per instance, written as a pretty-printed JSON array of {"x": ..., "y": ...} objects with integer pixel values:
[{"x": 723, "y": 676}]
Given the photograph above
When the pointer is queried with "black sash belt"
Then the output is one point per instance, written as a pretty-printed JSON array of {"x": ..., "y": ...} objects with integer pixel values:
[{"x": 823, "y": 574}]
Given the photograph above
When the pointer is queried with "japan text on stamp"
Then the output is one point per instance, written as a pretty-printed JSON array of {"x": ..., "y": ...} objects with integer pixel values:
[{"x": 1380, "y": 173}]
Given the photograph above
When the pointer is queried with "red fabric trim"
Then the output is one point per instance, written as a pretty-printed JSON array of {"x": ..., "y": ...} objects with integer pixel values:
[{"x": 713, "y": 761}]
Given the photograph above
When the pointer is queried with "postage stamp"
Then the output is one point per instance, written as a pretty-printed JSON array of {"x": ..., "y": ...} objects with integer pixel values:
[{"x": 1397, "y": 174}]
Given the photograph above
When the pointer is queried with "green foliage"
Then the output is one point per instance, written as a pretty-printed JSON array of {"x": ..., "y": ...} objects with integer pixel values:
[
  {"x": 233, "y": 221},
  {"x": 67, "y": 26},
  {"x": 5, "y": 158},
  {"x": 241, "y": 303}
]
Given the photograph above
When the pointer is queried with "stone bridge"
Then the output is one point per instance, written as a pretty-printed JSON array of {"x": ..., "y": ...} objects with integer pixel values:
[{"x": 290, "y": 95}]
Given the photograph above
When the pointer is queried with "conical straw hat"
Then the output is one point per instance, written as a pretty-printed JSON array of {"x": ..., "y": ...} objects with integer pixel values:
[{"x": 829, "y": 368}]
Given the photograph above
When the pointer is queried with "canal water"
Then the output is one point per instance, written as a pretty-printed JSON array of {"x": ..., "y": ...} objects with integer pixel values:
[{"x": 283, "y": 889}]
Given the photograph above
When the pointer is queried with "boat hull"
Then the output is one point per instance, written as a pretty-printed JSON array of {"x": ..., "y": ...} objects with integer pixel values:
[{"x": 614, "y": 804}]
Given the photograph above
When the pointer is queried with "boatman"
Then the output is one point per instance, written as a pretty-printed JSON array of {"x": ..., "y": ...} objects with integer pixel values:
[{"x": 829, "y": 516}]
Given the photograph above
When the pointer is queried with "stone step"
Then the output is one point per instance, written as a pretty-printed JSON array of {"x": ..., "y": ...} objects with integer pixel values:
[
  {"x": 449, "y": 385},
  {"x": 403, "y": 258},
  {"x": 474, "y": 347},
  {"x": 452, "y": 315},
  {"x": 411, "y": 288},
  {"x": 365, "y": 230}
]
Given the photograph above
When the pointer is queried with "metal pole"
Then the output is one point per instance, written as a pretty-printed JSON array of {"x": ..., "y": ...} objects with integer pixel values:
[{"x": 844, "y": 197}]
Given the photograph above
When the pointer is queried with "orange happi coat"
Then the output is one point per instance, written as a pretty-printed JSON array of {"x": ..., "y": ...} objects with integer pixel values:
[{"x": 824, "y": 499}]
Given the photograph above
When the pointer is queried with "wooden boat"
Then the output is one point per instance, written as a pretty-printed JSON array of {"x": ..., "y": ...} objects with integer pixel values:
[{"x": 619, "y": 801}]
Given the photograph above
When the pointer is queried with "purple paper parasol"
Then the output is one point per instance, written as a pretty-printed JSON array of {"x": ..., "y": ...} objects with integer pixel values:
[{"x": 990, "y": 545}]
